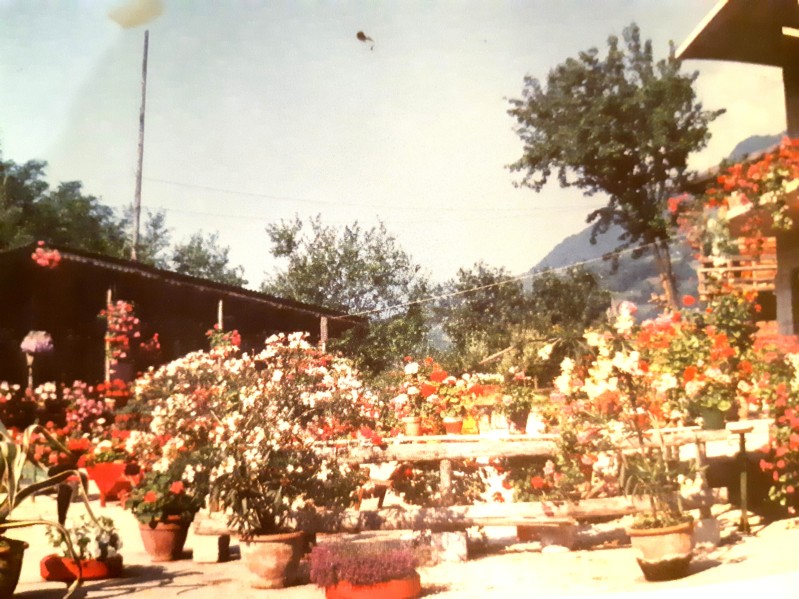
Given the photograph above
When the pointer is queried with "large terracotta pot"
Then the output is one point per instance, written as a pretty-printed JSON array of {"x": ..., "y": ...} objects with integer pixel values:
[
  {"x": 164, "y": 542},
  {"x": 663, "y": 553},
  {"x": 55, "y": 568},
  {"x": 108, "y": 476},
  {"x": 11, "y": 552},
  {"x": 273, "y": 560},
  {"x": 403, "y": 588}
]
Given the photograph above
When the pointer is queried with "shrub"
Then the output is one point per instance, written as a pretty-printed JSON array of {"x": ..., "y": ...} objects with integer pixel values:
[{"x": 360, "y": 563}]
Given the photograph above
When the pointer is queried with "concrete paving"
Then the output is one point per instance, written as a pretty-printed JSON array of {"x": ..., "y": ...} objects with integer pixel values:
[{"x": 749, "y": 566}]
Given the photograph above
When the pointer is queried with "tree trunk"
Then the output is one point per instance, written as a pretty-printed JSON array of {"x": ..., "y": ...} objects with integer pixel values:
[{"x": 667, "y": 280}]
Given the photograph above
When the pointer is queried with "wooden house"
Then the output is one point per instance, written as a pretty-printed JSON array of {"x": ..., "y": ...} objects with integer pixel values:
[{"x": 66, "y": 300}]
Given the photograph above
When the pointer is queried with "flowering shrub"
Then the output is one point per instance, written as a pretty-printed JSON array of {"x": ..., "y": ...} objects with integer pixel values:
[
  {"x": 220, "y": 338},
  {"x": 122, "y": 326},
  {"x": 17, "y": 407},
  {"x": 361, "y": 564},
  {"x": 264, "y": 416},
  {"x": 84, "y": 408},
  {"x": 45, "y": 257},
  {"x": 92, "y": 540}
]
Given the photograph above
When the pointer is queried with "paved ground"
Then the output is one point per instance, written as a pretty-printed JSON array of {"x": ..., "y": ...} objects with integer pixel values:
[{"x": 752, "y": 566}]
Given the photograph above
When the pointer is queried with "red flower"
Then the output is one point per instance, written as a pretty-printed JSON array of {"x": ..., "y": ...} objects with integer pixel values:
[
  {"x": 537, "y": 482},
  {"x": 688, "y": 300},
  {"x": 176, "y": 487},
  {"x": 150, "y": 497},
  {"x": 438, "y": 376},
  {"x": 426, "y": 390},
  {"x": 689, "y": 373}
]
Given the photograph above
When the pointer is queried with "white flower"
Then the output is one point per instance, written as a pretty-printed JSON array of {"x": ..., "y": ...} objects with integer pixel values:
[
  {"x": 411, "y": 368},
  {"x": 546, "y": 351}
]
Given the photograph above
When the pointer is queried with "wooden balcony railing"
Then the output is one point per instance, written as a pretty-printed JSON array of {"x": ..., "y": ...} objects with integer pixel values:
[{"x": 740, "y": 272}]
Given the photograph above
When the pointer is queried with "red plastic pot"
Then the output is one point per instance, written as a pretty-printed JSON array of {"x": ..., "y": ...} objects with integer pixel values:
[
  {"x": 110, "y": 480},
  {"x": 55, "y": 568},
  {"x": 403, "y": 588}
]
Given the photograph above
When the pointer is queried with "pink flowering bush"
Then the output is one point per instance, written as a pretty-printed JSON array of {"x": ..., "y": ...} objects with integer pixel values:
[
  {"x": 45, "y": 257},
  {"x": 122, "y": 328}
]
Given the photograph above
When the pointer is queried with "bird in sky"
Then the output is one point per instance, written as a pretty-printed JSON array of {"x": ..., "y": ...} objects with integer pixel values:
[{"x": 365, "y": 38}]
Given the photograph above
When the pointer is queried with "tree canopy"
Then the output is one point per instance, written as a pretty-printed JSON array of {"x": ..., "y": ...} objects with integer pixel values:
[
  {"x": 621, "y": 124},
  {"x": 202, "y": 256},
  {"x": 359, "y": 270}
]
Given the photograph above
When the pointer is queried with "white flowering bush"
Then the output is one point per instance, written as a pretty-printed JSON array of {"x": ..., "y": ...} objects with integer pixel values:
[
  {"x": 92, "y": 540},
  {"x": 263, "y": 416}
]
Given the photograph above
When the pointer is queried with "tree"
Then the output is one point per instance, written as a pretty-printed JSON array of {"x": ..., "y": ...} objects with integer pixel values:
[
  {"x": 201, "y": 256},
  {"x": 482, "y": 306},
  {"x": 30, "y": 210},
  {"x": 356, "y": 270},
  {"x": 620, "y": 124},
  {"x": 154, "y": 240}
]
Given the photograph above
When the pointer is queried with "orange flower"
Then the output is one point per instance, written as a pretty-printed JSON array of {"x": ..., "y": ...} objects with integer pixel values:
[
  {"x": 537, "y": 482},
  {"x": 176, "y": 487},
  {"x": 150, "y": 497},
  {"x": 437, "y": 376}
]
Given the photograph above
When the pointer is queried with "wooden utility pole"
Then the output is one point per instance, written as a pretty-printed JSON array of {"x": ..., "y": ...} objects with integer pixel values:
[{"x": 137, "y": 194}]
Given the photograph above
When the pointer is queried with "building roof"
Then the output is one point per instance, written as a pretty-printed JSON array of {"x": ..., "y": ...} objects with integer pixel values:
[{"x": 752, "y": 31}]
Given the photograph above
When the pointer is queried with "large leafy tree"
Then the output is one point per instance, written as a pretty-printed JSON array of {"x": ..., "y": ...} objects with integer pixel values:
[
  {"x": 31, "y": 210},
  {"x": 621, "y": 124},
  {"x": 202, "y": 256},
  {"x": 480, "y": 308},
  {"x": 358, "y": 270}
]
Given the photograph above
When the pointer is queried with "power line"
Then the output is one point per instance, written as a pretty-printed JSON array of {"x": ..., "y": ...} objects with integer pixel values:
[{"x": 529, "y": 275}]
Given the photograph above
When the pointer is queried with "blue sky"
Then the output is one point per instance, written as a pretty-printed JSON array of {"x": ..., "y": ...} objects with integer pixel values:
[{"x": 257, "y": 111}]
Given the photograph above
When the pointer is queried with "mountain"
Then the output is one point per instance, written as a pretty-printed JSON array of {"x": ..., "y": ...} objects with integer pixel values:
[
  {"x": 752, "y": 144},
  {"x": 634, "y": 280}
]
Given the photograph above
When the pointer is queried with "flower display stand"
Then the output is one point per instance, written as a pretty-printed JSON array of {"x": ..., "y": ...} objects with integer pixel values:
[{"x": 55, "y": 568}]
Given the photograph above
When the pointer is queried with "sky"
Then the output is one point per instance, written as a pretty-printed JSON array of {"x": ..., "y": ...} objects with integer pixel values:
[{"x": 258, "y": 111}]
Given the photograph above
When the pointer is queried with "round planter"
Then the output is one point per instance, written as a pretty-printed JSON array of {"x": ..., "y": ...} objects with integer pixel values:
[
  {"x": 55, "y": 568},
  {"x": 403, "y": 588},
  {"x": 712, "y": 419},
  {"x": 453, "y": 426},
  {"x": 413, "y": 425},
  {"x": 273, "y": 560},
  {"x": 663, "y": 553},
  {"x": 11, "y": 552},
  {"x": 108, "y": 476},
  {"x": 164, "y": 543}
]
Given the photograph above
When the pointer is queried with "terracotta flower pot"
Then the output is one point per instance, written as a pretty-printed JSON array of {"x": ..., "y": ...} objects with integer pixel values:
[
  {"x": 453, "y": 426},
  {"x": 110, "y": 480},
  {"x": 403, "y": 588},
  {"x": 164, "y": 543},
  {"x": 55, "y": 568},
  {"x": 413, "y": 425},
  {"x": 663, "y": 553},
  {"x": 273, "y": 560},
  {"x": 11, "y": 552}
]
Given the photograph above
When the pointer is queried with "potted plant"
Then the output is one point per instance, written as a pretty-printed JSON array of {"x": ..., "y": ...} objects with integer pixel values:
[
  {"x": 518, "y": 398},
  {"x": 106, "y": 464},
  {"x": 13, "y": 459},
  {"x": 165, "y": 505},
  {"x": 97, "y": 545},
  {"x": 266, "y": 416},
  {"x": 620, "y": 395},
  {"x": 364, "y": 570}
]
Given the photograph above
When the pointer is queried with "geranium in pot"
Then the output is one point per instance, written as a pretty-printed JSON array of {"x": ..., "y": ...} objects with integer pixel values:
[
  {"x": 518, "y": 398},
  {"x": 623, "y": 388},
  {"x": 364, "y": 570},
  {"x": 97, "y": 545},
  {"x": 265, "y": 415},
  {"x": 165, "y": 505}
]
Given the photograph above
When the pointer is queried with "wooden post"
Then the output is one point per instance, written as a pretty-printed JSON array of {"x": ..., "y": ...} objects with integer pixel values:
[
  {"x": 220, "y": 315},
  {"x": 323, "y": 333},
  {"x": 108, "y": 299},
  {"x": 445, "y": 485},
  {"x": 137, "y": 194}
]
